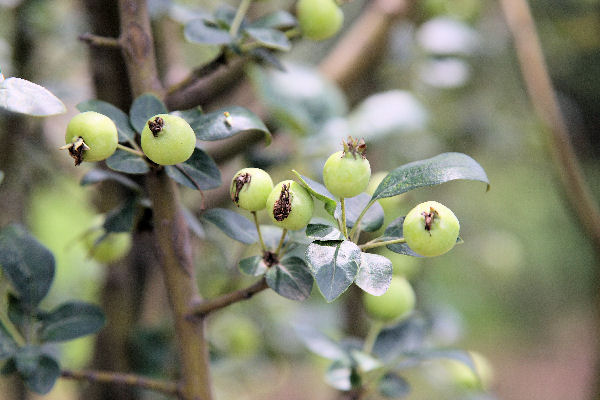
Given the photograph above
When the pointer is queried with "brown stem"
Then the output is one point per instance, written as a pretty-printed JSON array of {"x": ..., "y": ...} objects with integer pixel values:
[
  {"x": 99, "y": 41},
  {"x": 207, "y": 306},
  {"x": 166, "y": 387}
]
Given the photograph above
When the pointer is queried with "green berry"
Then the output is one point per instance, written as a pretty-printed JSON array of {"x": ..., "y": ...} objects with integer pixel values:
[
  {"x": 431, "y": 229},
  {"x": 91, "y": 136},
  {"x": 111, "y": 247},
  {"x": 346, "y": 173},
  {"x": 168, "y": 139},
  {"x": 250, "y": 188},
  {"x": 397, "y": 302},
  {"x": 290, "y": 206},
  {"x": 319, "y": 19}
]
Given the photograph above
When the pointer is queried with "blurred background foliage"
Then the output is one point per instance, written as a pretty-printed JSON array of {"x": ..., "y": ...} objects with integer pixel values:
[{"x": 520, "y": 290}]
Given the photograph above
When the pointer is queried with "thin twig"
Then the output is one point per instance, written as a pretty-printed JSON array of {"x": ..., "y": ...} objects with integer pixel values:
[
  {"x": 260, "y": 238},
  {"x": 239, "y": 17},
  {"x": 208, "y": 306},
  {"x": 199, "y": 72},
  {"x": 166, "y": 387},
  {"x": 280, "y": 245},
  {"x": 100, "y": 41}
]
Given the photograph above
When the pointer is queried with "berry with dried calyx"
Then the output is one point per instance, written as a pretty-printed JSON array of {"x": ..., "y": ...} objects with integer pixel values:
[
  {"x": 168, "y": 139},
  {"x": 431, "y": 229},
  {"x": 250, "y": 188},
  {"x": 90, "y": 137},
  {"x": 346, "y": 173},
  {"x": 290, "y": 205}
]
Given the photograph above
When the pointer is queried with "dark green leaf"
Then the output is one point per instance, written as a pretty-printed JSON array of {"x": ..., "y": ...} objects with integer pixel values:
[
  {"x": 267, "y": 58},
  {"x": 323, "y": 232},
  {"x": 290, "y": 279},
  {"x": 232, "y": 224},
  {"x": 193, "y": 223},
  {"x": 39, "y": 370},
  {"x": 27, "y": 264},
  {"x": 319, "y": 343},
  {"x": 319, "y": 191},
  {"x": 394, "y": 231},
  {"x": 405, "y": 337},
  {"x": 8, "y": 346},
  {"x": 201, "y": 31},
  {"x": 334, "y": 264},
  {"x": 270, "y": 38},
  {"x": 276, "y": 20},
  {"x": 432, "y": 171},
  {"x": 342, "y": 376},
  {"x": 253, "y": 266},
  {"x": 70, "y": 321},
  {"x": 121, "y": 120},
  {"x": 375, "y": 274},
  {"x": 122, "y": 219},
  {"x": 393, "y": 386},
  {"x": 198, "y": 172},
  {"x": 24, "y": 97},
  {"x": 373, "y": 218},
  {"x": 143, "y": 108},
  {"x": 17, "y": 313},
  {"x": 9, "y": 367},
  {"x": 217, "y": 126},
  {"x": 124, "y": 161},
  {"x": 100, "y": 175}
]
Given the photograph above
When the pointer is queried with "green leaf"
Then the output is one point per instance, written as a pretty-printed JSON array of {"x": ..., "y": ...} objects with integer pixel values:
[
  {"x": 270, "y": 38},
  {"x": 404, "y": 338},
  {"x": 121, "y": 120},
  {"x": 319, "y": 343},
  {"x": 122, "y": 219},
  {"x": 17, "y": 313},
  {"x": 101, "y": 175},
  {"x": 232, "y": 224},
  {"x": 319, "y": 191},
  {"x": 393, "y": 386},
  {"x": 266, "y": 57},
  {"x": 124, "y": 161},
  {"x": 199, "y": 171},
  {"x": 8, "y": 346},
  {"x": 342, "y": 376},
  {"x": 323, "y": 232},
  {"x": 224, "y": 16},
  {"x": 276, "y": 20},
  {"x": 375, "y": 274},
  {"x": 217, "y": 126},
  {"x": 193, "y": 223},
  {"x": 334, "y": 264},
  {"x": 253, "y": 266},
  {"x": 432, "y": 171},
  {"x": 290, "y": 279},
  {"x": 70, "y": 321},
  {"x": 143, "y": 108},
  {"x": 28, "y": 265},
  {"x": 373, "y": 218},
  {"x": 39, "y": 371},
  {"x": 394, "y": 231},
  {"x": 201, "y": 31},
  {"x": 24, "y": 97}
]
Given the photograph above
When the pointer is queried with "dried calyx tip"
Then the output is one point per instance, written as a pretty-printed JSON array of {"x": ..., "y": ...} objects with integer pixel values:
[
  {"x": 270, "y": 258},
  {"x": 76, "y": 149},
  {"x": 239, "y": 182},
  {"x": 283, "y": 205},
  {"x": 356, "y": 147},
  {"x": 156, "y": 125},
  {"x": 429, "y": 217}
]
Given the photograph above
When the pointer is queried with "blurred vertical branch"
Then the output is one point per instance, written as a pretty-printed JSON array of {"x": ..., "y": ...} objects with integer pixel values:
[{"x": 541, "y": 92}]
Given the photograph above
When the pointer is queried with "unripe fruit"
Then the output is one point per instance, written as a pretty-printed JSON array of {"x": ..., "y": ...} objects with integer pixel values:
[
  {"x": 290, "y": 206},
  {"x": 168, "y": 139},
  {"x": 397, "y": 302},
  {"x": 250, "y": 188},
  {"x": 91, "y": 136},
  {"x": 111, "y": 248},
  {"x": 431, "y": 229},
  {"x": 319, "y": 19},
  {"x": 346, "y": 173},
  {"x": 463, "y": 376}
]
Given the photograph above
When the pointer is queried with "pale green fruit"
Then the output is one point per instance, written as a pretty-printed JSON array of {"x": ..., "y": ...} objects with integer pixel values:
[
  {"x": 437, "y": 237},
  {"x": 172, "y": 142},
  {"x": 250, "y": 188},
  {"x": 111, "y": 248},
  {"x": 397, "y": 302},
  {"x": 463, "y": 376},
  {"x": 99, "y": 133},
  {"x": 346, "y": 174},
  {"x": 290, "y": 208},
  {"x": 319, "y": 19}
]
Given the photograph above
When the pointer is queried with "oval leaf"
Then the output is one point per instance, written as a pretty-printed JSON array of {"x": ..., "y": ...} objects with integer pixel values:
[
  {"x": 393, "y": 386},
  {"x": 323, "y": 232},
  {"x": 270, "y": 38},
  {"x": 403, "y": 338},
  {"x": 200, "y": 31},
  {"x": 39, "y": 370},
  {"x": 342, "y": 376},
  {"x": 227, "y": 122},
  {"x": 124, "y": 161},
  {"x": 71, "y": 320},
  {"x": 276, "y": 20},
  {"x": 232, "y": 224},
  {"x": 121, "y": 120},
  {"x": 432, "y": 171},
  {"x": 319, "y": 191},
  {"x": 373, "y": 218},
  {"x": 122, "y": 219},
  {"x": 319, "y": 343},
  {"x": 334, "y": 264},
  {"x": 193, "y": 223},
  {"x": 375, "y": 274},
  {"x": 8, "y": 346},
  {"x": 253, "y": 266},
  {"x": 24, "y": 97},
  {"x": 199, "y": 172},
  {"x": 143, "y": 108},
  {"x": 290, "y": 279},
  {"x": 27, "y": 264}
]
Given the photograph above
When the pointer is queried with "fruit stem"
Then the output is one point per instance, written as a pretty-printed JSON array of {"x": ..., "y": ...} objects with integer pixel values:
[
  {"x": 375, "y": 243},
  {"x": 344, "y": 227},
  {"x": 360, "y": 217},
  {"x": 374, "y": 330},
  {"x": 239, "y": 17},
  {"x": 130, "y": 150},
  {"x": 260, "y": 238},
  {"x": 280, "y": 245}
]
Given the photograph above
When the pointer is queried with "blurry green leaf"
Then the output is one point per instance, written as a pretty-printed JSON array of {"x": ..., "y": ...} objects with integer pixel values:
[
  {"x": 17, "y": 313},
  {"x": 319, "y": 191},
  {"x": 334, "y": 264},
  {"x": 39, "y": 370},
  {"x": 28, "y": 265},
  {"x": 253, "y": 266},
  {"x": 217, "y": 126},
  {"x": 323, "y": 232},
  {"x": 124, "y": 161},
  {"x": 200, "y": 31},
  {"x": 8, "y": 346},
  {"x": 375, "y": 274},
  {"x": 143, "y": 108},
  {"x": 232, "y": 224},
  {"x": 393, "y": 386},
  {"x": 290, "y": 278},
  {"x": 122, "y": 219},
  {"x": 276, "y": 20},
  {"x": 432, "y": 171},
  {"x": 270, "y": 38},
  {"x": 24, "y": 97},
  {"x": 9, "y": 367},
  {"x": 405, "y": 337},
  {"x": 266, "y": 57},
  {"x": 224, "y": 15},
  {"x": 198, "y": 172},
  {"x": 193, "y": 223},
  {"x": 373, "y": 218},
  {"x": 365, "y": 362},
  {"x": 100, "y": 175},
  {"x": 319, "y": 343},
  {"x": 151, "y": 348},
  {"x": 70, "y": 321},
  {"x": 342, "y": 376},
  {"x": 121, "y": 120}
]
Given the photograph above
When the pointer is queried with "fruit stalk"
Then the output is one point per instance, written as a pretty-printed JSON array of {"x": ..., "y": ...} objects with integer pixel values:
[
  {"x": 239, "y": 17},
  {"x": 344, "y": 226},
  {"x": 260, "y": 238}
]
